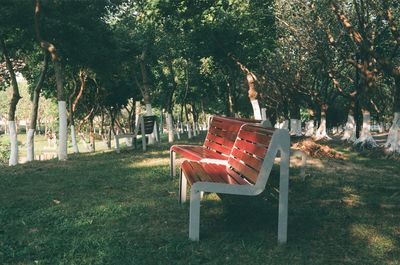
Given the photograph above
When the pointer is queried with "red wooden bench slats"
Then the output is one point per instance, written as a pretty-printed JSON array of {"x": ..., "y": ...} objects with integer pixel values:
[
  {"x": 235, "y": 176},
  {"x": 228, "y": 135},
  {"x": 257, "y": 150},
  {"x": 255, "y": 137},
  {"x": 233, "y": 126},
  {"x": 220, "y": 140},
  {"x": 191, "y": 175},
  {"x": 218, "y": 171},
  {"x": 218, "y": 148},
  {"x": 245, "y": 171},
  {"x": 196, "y": 153},
  {"x": 221, "y": 136},
  {"x": 244, "y": 162},
  {"x": 195, "y": 172},
  {"x": 247, "y": 158}
]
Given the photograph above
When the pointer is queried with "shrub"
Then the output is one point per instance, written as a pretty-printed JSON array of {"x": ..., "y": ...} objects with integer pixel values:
[{"x": 4, "y": 151}]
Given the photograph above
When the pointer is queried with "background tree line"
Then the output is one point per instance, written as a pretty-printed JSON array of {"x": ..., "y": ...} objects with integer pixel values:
[{"x": 312, "y": 64}]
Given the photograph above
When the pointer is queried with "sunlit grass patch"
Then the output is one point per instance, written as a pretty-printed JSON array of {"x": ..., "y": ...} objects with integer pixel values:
[
  {"x": 378, "y": 244},
  {"x": 109, "y": 208}
]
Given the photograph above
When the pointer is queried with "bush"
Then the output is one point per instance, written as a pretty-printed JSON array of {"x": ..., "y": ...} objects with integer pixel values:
[{"x": 5, "y": 150}]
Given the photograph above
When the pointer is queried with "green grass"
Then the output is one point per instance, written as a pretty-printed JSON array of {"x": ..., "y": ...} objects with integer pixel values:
[
  {"x": 108, "y": 208},
  {"x": 43, "y": 147}
]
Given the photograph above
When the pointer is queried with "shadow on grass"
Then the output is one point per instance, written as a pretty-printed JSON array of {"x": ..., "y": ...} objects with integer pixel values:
[{"x": 109, "y": 208}]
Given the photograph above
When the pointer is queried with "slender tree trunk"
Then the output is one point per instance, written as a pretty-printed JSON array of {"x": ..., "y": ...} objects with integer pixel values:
[
  {"x": 35, "y": 106},
  {"x": 366, "y": 139},
  {"x": 188, "y": 126},
  {"x": 102, "y": 125},
  {"x": 61, "y": 97},
  {"x": 393, "y": 141},
  {"x": 138, "y": 112},
  {"x": 72, "y": 108},
  {"x": 195, "y": 115},
  {"x": 170, "y": 126},
  {"x": 252, "y": 92},
  {"x": 230, "y": 102},
  {"x": 92, "y": 134},
  {"x": 350, "y": 128},
  {"x": 310, "y": 124},
  {"x": 145, "y": 89},
  {"x": 295, "y": 121},
  {"x": 321, "y": 132},
  {"x": 13, "y": 106}
]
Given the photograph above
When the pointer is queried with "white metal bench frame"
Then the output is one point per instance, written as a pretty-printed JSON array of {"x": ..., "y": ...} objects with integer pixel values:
[
  {"x": 127, "y": 136},
  {"x": 280, "y": 142}
]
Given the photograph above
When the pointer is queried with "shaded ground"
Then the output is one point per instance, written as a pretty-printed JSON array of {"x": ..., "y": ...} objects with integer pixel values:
[{"x": 108, "y": 208}]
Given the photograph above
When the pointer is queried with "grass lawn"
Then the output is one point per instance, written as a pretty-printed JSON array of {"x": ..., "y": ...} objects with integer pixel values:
[
  {"x": 108, "y": 208},
  {"x": 42, "y": 146}
]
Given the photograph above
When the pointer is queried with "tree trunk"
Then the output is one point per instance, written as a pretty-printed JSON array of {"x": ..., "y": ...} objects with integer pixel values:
[
  {"x": 366, "y": 139},
  {"x": 252, "y": 92},
  {"x": 195, "y": 115},
  {"x": 35, "y": 106},
  {"x": 251, "y": 78},
  {"x": 146, "y": 88},
  {"x": 188, "y": 126},
  {"x": 393, "y": 141},
  {"x": 321, "y": 132},
  {"x": 13, "y": 106},
  {"x": 72, "y": 108},
  {"x": 350, "y": 129},
  {"x": 295, "y": 121},
  {"x": 62, "y": 106},
  {"x": 230, "y": 105},
  {"x": 170, "y": 126},
  {"x": 72, "y": 121},
  {"x": 310, "y": 124},
  {"x": 91, "y": 134}
]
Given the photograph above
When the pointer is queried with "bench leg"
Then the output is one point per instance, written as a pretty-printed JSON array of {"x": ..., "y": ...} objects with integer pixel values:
[
  {"x": 172, "y": 156},
  {"x": 182, "y": 188},
  {"x": 283, "y": 198},
  {"x": 194, "y": 217}
]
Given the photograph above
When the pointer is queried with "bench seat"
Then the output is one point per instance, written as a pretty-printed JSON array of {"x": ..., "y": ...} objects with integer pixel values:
[
  {"x": 209, "y": 172},
  {"x": 196, "y": 153},
  {"x": 219, "y": 141}
]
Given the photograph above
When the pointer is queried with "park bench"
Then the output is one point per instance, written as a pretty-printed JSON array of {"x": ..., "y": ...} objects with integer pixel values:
[
  {"x": 246, "y": 173},
  {"x": 129, "y": 138},
  {"x": 217, "y": 146},
  {"x": 146, "y": 125}
]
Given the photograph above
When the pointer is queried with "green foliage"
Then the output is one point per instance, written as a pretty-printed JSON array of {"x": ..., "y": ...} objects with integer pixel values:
[{"x": 5, "y": 149}]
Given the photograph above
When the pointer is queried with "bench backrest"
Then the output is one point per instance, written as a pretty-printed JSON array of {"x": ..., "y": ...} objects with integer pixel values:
[
  {"x": 248, "y": 153},
  {"x": 148, "y": 124},
  {"x": 222, "y": 133}
]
